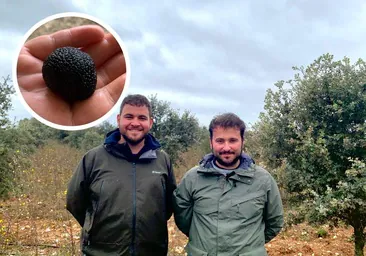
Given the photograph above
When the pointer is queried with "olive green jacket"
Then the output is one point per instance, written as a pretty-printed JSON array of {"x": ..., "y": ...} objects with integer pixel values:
[{"x": 232, "y": 215}]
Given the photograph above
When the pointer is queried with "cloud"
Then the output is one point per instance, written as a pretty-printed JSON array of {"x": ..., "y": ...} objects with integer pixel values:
[
  {"x": 21, "y": 16},
  {"x": 209, "y": 57}
]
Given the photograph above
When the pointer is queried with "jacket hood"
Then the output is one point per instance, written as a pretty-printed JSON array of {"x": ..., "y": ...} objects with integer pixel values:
[
  {"x": 245, "y": 161},
  {"x": 112, "y": 137}
]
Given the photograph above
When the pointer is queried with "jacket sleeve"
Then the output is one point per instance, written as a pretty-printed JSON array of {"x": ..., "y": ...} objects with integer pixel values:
[
  {"x": 273, "y": 212},
  {"x": 183, "y": 204},
  {"x": 77, "y": 198},
  {"x": 171, "y": 186}
]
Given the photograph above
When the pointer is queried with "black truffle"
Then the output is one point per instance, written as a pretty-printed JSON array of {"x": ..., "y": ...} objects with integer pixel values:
[{"x": 70, "y": 73}]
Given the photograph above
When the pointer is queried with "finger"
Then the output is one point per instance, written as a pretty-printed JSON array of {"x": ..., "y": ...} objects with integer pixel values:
[
  {"x": 115, "y": 88},
  {"x": 103, "y": 50},
  {"x": 27, "y": 64},
  {"x": 99, "y": 104},
  {"x": 31, "y": 82},
  {"x": 110, "y": 70},
  {"x": 49, "y": 106},
  {"x": 81, "y": 36},
  {"x": 89, "y": 110}
]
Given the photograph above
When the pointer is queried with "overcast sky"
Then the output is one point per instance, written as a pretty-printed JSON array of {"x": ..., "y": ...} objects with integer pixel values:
[{"x": 208, "y": 57}]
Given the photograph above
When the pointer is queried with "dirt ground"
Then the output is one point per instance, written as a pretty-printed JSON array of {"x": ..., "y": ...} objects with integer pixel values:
[
  {"x": 300, "y": 240},
  {"x": 53, "y": 237}
]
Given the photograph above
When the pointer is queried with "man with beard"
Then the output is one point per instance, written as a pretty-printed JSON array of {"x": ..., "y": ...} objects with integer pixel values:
[
  {"x": 121, "y": 191},
  {"x": 228, "y": 205}
]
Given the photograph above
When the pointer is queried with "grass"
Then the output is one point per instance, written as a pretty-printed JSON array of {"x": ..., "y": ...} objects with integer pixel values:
[{"x": 34, "y": 221}]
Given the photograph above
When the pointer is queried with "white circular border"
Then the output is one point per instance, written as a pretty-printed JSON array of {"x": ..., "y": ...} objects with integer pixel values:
[{"x": 110, "y": 112}]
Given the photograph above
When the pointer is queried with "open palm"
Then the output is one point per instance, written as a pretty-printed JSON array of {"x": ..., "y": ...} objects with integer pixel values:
[{"x": 111, "y": 73}]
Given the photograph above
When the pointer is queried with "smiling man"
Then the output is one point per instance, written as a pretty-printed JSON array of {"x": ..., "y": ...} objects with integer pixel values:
[
  {"x": 228, "y": 205},
  {"x": 121, "y": 191}
]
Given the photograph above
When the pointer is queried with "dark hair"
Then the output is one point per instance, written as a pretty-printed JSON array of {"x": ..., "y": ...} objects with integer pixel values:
[
  {"x": 136, "y": 100},
  {"x": 227, "y": 120}
]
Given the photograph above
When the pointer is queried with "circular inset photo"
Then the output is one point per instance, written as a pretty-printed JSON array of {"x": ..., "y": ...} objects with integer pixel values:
[{"x": 71, "y": 71}]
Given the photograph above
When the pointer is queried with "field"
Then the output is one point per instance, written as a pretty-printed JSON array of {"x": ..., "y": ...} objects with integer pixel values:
[
  {"x": 40, "y": 236},
  {"x": 50, "y": 237},
  {"x": 34, "y": 220}
]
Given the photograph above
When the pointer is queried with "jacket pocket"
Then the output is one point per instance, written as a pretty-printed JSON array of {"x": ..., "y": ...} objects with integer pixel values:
[
  {"x": 205, "y": 208},
  {"x": 90, "y": 217},
  {"x": 260, "y": 251},
  {"x": 249, "y": 206},
  {"x": 206, "y": 204},
  {"x": 194, "y": 251}
]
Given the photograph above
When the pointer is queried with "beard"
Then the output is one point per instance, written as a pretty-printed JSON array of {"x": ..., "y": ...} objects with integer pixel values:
[
  {"x": 133, "y": 142},
  {"x": 227, "y": 164}
]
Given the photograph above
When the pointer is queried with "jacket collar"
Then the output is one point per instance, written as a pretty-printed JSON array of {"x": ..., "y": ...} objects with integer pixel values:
[
  {"x": 243, "y": 173},
  {"x": 123, "y": 150}
]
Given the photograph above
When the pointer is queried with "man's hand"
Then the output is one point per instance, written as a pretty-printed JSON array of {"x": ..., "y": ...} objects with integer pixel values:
[{"x": 111, "y": 74}]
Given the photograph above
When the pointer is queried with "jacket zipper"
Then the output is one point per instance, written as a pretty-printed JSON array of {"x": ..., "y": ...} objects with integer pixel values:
[
  {"x": 222, "y": 186},
  {"x": 133, "y": 210},
  {"x": 164, "y": 200}
]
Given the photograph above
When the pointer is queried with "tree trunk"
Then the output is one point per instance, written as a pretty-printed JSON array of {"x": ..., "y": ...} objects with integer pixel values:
[{"x": 359, "y": 238}]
